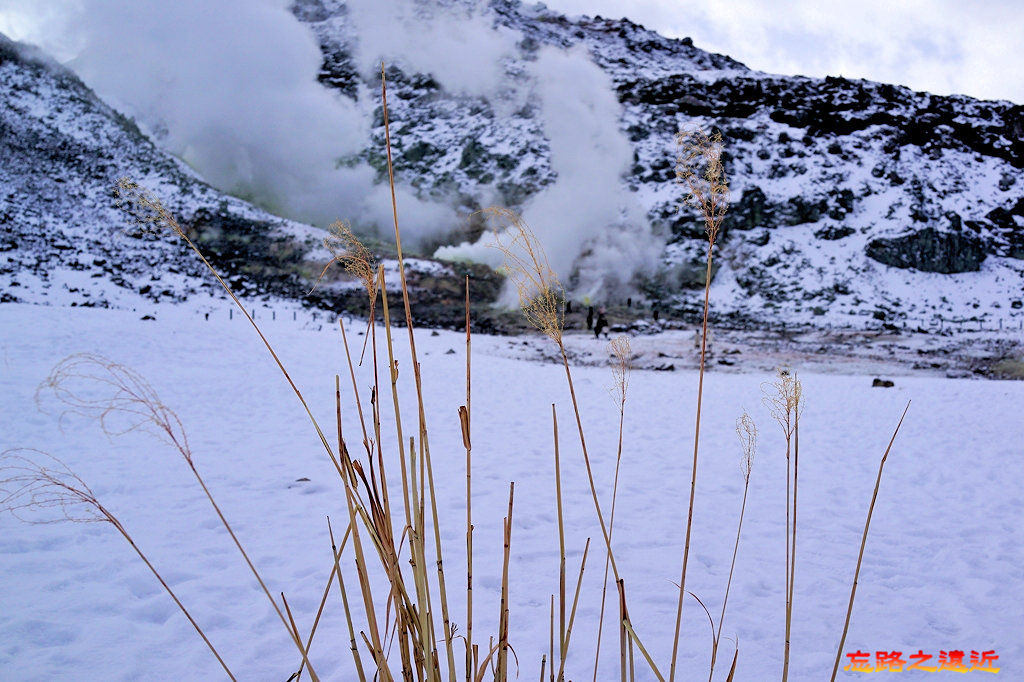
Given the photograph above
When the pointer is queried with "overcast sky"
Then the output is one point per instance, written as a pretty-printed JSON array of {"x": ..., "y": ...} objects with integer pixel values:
[
  {"x": 973, "y": 47},
  {"x": 941, "y": 46}
]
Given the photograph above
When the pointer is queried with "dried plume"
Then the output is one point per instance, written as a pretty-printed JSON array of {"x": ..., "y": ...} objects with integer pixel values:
[
  {"x": 118, "y": 397},
  {"x": 541, "y": 296},
  {"x": 39, "y": 488},
  {"x": 699, "y": 169},
  {"x": 146, "y": 210},
  {"x": 622, "y": 363},
  {"x": 353, "y": 256},
  {"x": 784, "y": 399},
  {"x": 746, "y": 430}
]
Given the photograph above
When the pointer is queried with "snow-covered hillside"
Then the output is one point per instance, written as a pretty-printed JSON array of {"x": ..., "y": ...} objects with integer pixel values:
[
  {"x": 942, "y": 570},
  {"x": 849, "y": 197},
  {"x": 65, "y": 241},
  {"x": 851, "y": 200}
]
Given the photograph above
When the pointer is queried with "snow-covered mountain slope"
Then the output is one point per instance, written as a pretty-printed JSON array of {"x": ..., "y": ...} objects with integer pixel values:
[
  {"x": 849, "y": 197},
  {"x": 65, "y": 241}
]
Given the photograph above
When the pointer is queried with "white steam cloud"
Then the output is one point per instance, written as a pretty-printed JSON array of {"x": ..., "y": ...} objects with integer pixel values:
[
  {"x": 458, "y": 46},
  {"x": 230, "y": 86},
  {"x": 595, "y": 234}
]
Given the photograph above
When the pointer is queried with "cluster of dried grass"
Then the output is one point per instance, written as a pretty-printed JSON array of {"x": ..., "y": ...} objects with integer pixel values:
[{"x": 392, "y": 540}]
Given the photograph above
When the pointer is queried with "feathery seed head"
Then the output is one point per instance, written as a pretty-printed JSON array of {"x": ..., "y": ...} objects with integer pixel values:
[
  {"x": 699, "y": 169},
  {"x": 541, "y": 296},
  {"x": 746, "y": 430},
  {"x": 622, "y": 363},
  {"x": 118, "y": 397},
  {"x": 146, "y": 210},
  {"x": 39, "y": 488},
  {"x": 784, "y": 399},
  {"x": 353, "y": 256}
]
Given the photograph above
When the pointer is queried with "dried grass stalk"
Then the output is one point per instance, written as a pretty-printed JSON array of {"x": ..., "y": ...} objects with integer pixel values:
[
  {"x": 863, "y": 543},
  {"x": 699, "y": 168},
  {"x": 746, "y": 431},
  {"x": 622, "y": 357},
  {"x": 784, "y": 399},
  {"x": 123, "y": 401},
  {"x": 33, "y": 482}
]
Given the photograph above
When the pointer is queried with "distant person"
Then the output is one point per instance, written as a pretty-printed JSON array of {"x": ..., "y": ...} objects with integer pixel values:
[
  {"x": 568, "y": 307},
  {"x": 657, "y": 313},
  {"x": 629, "y": 302},
  {"x": 602, "y": 322},
  {"x": 590, "y": 317},
  {"x": 698, "y": 338}
]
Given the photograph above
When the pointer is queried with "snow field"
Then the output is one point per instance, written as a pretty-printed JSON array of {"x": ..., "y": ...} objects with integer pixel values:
[{"x": 942, "y": 569}]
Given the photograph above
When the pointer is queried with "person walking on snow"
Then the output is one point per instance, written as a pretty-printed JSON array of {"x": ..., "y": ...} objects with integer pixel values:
[{"x": 602, "y": 322}]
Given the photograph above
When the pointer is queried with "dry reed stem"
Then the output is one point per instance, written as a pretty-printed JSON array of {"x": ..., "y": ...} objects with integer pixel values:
[
  {"x": 424, "y": 442},
  {"x": 501, "y": 674},
  {"x": 746, "y": 431},
  {"x": 121, "y": 393},
  {"x": 561, "y": 544},
  {"x": 323, "y": 598},
  {"x": 149, "y": 213},
  {"x": 526, "y": 265},
  {"x": 622, "y": 356},
  {"x": 28, "y": 487},
  {"x": 732, "y": 668},
  {"x": 699, "y": 168},
  {"x": 465, "y": 423},
  {"x": 572, "y": 614},
  {"x": 623, "y": 635},
  {"x": 344, "y": 600},
  {"x": 551, "y": 638},
  {"x": 863, "y": 543},
  {"x": 784, "y": 399},
  {"x": 375, "y": 647}
]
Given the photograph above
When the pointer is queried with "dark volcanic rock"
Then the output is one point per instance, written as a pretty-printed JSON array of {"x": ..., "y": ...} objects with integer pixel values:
[{"x": 929, "y": 250}]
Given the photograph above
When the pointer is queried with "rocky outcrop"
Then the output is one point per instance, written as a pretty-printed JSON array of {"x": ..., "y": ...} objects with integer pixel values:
[{"x": 929, "y": 250}]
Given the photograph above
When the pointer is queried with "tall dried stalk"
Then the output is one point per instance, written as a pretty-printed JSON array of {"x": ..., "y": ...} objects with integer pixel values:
[
  {"x": 465, "y": 422},
  {"x": 863, "y": 543},
  {"x": 746, "y": 430},
  {"x": 699, "y": 168},
  {"x": 424, "y": 442},
  {"x": 561, "y": 545},
  {"x": 622, "y": 356},
  {"x": 29, "y": 487},
  {"x": 541, "y": 299},
  {"x": 784, "y": 399}
]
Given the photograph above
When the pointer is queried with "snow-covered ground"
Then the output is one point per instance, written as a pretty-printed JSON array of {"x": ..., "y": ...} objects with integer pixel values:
[{"x": 943, "y": 570}]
